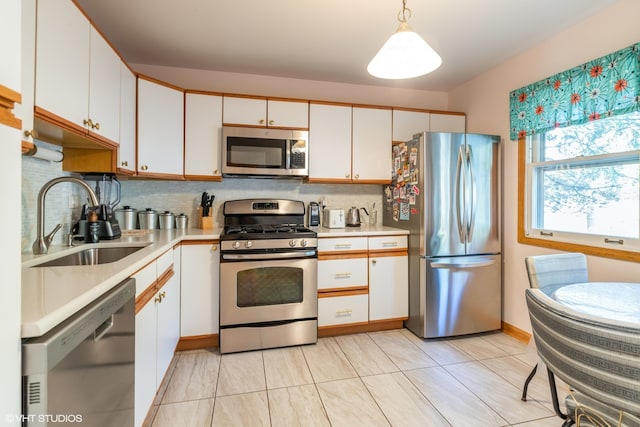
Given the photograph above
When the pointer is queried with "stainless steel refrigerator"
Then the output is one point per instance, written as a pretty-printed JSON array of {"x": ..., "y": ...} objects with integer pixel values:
[{"x": 446, "y": 192}]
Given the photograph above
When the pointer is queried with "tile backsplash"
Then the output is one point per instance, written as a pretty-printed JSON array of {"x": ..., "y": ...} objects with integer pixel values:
[{"x": 174, "y": 196}]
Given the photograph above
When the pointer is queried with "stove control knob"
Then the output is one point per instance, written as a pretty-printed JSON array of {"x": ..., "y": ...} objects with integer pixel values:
[
  {"x": 292, "y": 243},
  {"x": 248, "y": 244},
  {"x": 303, "y": 242},
  {"x": 235, "y": 245}
]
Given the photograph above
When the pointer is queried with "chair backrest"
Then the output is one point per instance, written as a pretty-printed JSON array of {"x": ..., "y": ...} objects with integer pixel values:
[
  {"x": 550, "y": 272},
  {"x": 598, "y": 357}
]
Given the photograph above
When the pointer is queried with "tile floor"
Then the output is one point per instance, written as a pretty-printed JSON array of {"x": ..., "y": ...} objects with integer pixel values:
[{"x": 374, "y": 379}]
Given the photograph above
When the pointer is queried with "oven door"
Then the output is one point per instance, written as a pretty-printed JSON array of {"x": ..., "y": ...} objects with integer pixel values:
[{"x": 265, "y": 291}]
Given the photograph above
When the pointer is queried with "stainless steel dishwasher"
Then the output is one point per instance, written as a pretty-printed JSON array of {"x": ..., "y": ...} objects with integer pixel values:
[{"x": 81, "y": 372}]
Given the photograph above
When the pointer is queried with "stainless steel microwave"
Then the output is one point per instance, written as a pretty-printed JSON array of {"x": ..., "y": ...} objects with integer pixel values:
[{"x": 265, "y": 152}]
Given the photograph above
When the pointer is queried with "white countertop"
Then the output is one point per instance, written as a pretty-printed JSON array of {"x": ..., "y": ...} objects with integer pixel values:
[
  {"x": 50, "y": 295},
  {"x": 363, "y": 230}
]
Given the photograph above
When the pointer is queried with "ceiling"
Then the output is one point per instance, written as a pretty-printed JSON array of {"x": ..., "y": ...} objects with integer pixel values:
[{"x": 330, "y": 40}]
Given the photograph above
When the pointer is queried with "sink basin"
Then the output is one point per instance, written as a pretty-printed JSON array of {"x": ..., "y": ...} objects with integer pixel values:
[{"x": 92, "y": 256}]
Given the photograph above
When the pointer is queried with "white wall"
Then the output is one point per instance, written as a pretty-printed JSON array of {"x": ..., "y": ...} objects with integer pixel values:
[
  {"x": 249, "y": 84},
  {"x": 485, "y": 100}
]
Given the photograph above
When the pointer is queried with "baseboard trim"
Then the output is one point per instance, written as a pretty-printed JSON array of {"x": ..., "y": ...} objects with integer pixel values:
[
  {"x": 196, "y": 342},
  {"x": 517, "y": 333}
]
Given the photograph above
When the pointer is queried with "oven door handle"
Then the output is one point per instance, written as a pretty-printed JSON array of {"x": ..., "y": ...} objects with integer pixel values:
[{"x": 272, "y": 255}]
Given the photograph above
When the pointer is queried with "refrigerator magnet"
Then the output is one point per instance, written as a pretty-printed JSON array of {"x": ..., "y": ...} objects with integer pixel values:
[{"x": 405, "y": 212}]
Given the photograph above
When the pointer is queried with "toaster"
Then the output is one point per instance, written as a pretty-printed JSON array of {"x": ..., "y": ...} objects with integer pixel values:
[{"x": 333, "y": 218}]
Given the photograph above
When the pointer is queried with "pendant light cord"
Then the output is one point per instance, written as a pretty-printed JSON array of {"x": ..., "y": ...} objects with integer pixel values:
[{"x": 405, "y": 10}]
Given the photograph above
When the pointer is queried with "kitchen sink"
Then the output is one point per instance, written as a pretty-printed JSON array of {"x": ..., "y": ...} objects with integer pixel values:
[{"x": 92, "y": 256}]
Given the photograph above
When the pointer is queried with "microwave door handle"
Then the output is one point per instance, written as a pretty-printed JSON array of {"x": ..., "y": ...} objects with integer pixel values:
[{"x": 287, "y": 160}]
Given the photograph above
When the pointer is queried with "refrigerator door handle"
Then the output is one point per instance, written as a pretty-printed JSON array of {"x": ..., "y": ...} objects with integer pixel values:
[
  {"x": 472, "y": 195},
  {"x": 459, "y": 188},
  {"x": 462, "y": 264}
]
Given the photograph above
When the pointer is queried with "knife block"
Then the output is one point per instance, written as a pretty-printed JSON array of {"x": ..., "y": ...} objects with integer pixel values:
[{"x": 206, "y": 222}]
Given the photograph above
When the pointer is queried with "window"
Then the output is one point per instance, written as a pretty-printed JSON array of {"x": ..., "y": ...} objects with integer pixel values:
[{"x": 582, "y": 184}]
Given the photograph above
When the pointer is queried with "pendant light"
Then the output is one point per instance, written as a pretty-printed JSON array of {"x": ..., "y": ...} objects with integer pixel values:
[{"x": 405, "y": 55}]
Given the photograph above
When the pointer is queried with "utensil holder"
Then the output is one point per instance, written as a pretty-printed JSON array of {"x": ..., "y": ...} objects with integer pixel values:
[{"x": 206, "y": 222}]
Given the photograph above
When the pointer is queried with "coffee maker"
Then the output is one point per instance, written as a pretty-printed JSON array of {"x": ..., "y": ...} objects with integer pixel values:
[{"x": 107, "y": 189}]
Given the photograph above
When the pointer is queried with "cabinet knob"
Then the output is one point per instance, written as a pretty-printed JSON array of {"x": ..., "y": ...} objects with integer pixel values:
[
  {"x": 373, "y": 261},
  {"x": 357, "y": 176},
  {"x": 261, "y": 121},
  {"x": 87, "y": 122},
  {"x": 214, "y": 248},
  {"x": 347, "y": 175},
  {"x": 216, "y": 172},
  {"x": 125, "y": 163},
  {"x": 144, "y": 167},
  {"x": 96, "y": 126},
  {"x": 163, "y": 294},
  {"x": 158, "y": 299},
  {"x": 272, "y": 122},
  {"x": 30, "y": 133}
]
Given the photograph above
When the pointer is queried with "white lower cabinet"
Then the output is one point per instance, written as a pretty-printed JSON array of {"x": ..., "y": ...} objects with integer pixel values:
[
  {"x": 343, "y": 310},
  {"x": 362, "y": 280},
  {"x": 200, "y": 299},
  {"x": 157, "y": 328},
  {"x": 388, "y": 287}
]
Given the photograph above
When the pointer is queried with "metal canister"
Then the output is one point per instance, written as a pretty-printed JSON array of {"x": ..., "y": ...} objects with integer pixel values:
[
  {"x": 166, "y": 220},
  {"x": 126, "y": 217},
  {"x": 182, "y": 221},
  {"x": 148, "y": 219}
]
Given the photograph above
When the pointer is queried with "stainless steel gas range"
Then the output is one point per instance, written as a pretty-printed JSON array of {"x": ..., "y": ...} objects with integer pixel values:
[{"x": 268, "y": 282}]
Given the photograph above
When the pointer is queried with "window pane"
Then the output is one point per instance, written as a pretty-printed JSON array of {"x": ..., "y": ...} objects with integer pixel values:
[
  {"x": 611, "y": 135},
  {"x": 591, "y": 199}
]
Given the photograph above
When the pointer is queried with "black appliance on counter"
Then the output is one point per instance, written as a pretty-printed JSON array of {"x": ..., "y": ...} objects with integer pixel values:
[
  {"x": 268, "y": 276},
  {"x": 107, "y": 189}
]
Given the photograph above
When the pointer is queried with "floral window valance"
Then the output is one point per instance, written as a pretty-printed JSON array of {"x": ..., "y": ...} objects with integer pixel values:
[{"x": 604, "y": 87}]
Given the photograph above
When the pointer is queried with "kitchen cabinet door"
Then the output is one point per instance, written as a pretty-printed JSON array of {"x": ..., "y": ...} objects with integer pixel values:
[
  {"x": 145, "y": 368},
  {"x": 371, "y": 151},
  {"x": 104, "y": 88},
  {"x": 244, "y": 111},
  {"x": 288, "y": 114},
  {"x": 200, "y": 284},
  {"x": 10, "y": 29},
  {"x": 25, "y": 61},
  {"x": 202, "y": 136},
  {"x": 340, "y": 274},
  {"x": 160, "y": 130},
  {"x": 447, "y": 123},
  {"x": 127, "y": 148},
  {"x": 330, "y": 143},
  {"x": 388, "y": 287},
  {"x": 62, "y": 60},
  {"x": 168, "y": 324},
  {"x": 342, "y": 310},
  {"x": 408, "y": 123}
]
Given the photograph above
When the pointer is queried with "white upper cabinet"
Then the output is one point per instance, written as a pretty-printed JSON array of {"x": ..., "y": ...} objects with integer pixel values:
[
  {"x": 371, "y": 152},
  {"x": 127, "y": 148},
  {"x": 77, "y": 72},
  {"x": 62, "y": 60},
  {"x": 260, "y": 112},
  {"x": 104, "y": 88},
  {"x": 24, "y": 110},
  {"x": 447, "y": 123},
  {"x": 203, "y": 135},
  {"x": 330, "y": 143},
  {"x": 10, "y": 25},
  {"x": 160, "y": 129},
  {"x": 289, "y": 114},
  {"x": 244, "y": 111},
  {"x": 408, "y": 123}
]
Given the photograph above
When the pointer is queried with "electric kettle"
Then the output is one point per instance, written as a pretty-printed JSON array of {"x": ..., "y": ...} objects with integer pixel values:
[{"x": 353, "y": 216}]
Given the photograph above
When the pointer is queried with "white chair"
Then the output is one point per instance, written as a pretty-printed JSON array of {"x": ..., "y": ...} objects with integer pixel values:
[{"x": 548, "y": 273}]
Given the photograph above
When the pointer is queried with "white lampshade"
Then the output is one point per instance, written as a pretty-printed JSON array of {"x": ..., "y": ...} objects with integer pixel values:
[{"x": 405, "y": 55}]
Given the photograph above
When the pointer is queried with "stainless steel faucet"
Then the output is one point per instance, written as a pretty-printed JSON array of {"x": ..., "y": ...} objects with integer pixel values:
[{"x": 41, "y": 245}]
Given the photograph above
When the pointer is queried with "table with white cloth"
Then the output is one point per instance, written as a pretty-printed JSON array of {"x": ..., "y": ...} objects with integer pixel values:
[{"x": 609, "y": 300}]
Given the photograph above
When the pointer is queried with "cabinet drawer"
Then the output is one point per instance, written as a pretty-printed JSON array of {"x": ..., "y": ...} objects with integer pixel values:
[
  {"x": 339, "y": 244},
  {"x": 342, "y": 273},
  {"x": 343, "y": 310},
  {"x": 145, "y": 277},
  {"x": 387, "y": 243},
  {"x": 164, "y": 262}
]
